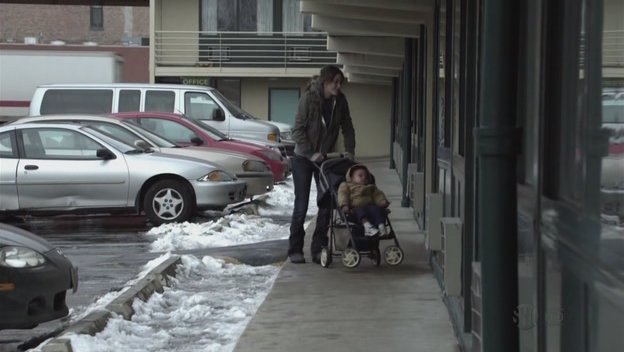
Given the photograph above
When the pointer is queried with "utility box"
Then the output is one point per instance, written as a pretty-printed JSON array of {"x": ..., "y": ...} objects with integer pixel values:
[
  {"x": 452, "y": 255},
  {"x": 433, "y": 214}
]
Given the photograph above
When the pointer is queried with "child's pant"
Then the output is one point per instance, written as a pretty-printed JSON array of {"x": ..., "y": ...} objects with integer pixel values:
[{"x": 375, "y": 214}]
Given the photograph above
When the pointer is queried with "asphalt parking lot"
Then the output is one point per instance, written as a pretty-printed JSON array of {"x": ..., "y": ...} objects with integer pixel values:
[{"x": 109, "y": 251}]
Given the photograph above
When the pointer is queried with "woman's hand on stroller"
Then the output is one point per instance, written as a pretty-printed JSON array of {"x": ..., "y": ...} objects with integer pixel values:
[
  {"x": 345, "y": 209},
  {"x": 385, "y": 204},
  {"x": 317, "y": 158}
]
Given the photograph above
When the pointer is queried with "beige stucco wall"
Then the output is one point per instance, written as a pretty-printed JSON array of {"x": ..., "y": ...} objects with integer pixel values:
[
  {"x": 369, "y": 104},
  {"x": 180, "y": 15}
]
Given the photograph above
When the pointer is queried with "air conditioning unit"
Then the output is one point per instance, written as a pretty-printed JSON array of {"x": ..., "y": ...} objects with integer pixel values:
[
  {"x": 218, "y": 53},
  {"x": 417, "y": 196},
  {"x": 451, "y": 255},
  {"x": 300, "y": 53},
  {"x": 477, "y": 327},
  {"x": 433, "y": 214}
]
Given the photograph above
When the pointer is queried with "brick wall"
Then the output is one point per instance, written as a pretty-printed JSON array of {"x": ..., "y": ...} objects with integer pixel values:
[{"x": 71, "y": 23}]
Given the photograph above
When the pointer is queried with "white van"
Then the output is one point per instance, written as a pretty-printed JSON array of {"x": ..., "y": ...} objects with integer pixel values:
[{"x": 202, "y": 104}]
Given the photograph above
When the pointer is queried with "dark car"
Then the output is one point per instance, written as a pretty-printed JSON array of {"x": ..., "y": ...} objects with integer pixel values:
[{"x": 34, "y": 278}]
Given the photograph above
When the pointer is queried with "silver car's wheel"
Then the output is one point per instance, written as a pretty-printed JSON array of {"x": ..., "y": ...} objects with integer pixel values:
[
  {"x": 393, "y": 255},
  {"x": 168, "y": 201},
  {"x": 350, "y": 257}
]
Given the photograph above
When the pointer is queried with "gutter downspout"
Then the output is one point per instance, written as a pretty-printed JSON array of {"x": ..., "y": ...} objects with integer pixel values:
[{"x": 497, "y": 143}]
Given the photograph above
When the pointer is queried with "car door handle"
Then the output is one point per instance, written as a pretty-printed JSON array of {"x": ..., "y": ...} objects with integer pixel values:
[{"x": 31, "y": 167}]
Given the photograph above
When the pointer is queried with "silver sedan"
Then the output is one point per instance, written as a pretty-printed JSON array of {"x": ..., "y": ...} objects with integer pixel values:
[
  {"x": 251, "y": 169},
  {"x": 68, "y": 168}
]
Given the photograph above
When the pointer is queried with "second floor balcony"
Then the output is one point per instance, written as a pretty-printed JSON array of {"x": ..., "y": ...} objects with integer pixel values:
[{"x": 260, "y": 54}]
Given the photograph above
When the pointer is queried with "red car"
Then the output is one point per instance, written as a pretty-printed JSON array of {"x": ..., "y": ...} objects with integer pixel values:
[{"x": 183, "y": 131}]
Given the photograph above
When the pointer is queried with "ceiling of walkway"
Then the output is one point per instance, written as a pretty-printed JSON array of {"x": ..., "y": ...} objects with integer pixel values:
[
  {"x": 80, "y": 2},
  {"x": 369, "y": 34}
]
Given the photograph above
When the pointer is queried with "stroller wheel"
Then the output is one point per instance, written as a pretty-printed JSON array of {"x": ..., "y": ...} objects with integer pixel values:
[
  {"x": 350, "y": 257},
  {"x": 393, "y": 255},
  {"x": 375, "y": 257},
  {"x": 326, "y": 258}
]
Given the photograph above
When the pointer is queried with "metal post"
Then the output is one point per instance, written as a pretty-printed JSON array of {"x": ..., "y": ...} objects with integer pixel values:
[
  {"x": 497, "y": 143},
  {"x": 406, "y": 118},
  {"x": 394, "y": 119}
]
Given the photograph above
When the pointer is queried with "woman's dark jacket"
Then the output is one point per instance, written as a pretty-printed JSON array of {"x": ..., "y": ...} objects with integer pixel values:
[{"x": 310, "y": 133}]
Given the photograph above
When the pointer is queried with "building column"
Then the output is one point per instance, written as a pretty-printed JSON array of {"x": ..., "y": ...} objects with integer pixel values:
[
  {"x": 496, "y": 145},
  {"x": 406, "y": 118}
]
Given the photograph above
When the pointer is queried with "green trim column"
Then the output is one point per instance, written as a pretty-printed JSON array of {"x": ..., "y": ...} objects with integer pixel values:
[
  {"x": 406, "y": 117},
  {"x": 497, "y": 144}
]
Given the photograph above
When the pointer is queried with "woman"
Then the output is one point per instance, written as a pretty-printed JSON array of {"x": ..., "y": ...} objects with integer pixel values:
[{"x": 322, "y": 111}]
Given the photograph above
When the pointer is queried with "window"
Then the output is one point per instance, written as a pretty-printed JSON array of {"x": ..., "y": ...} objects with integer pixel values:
[
  {"x": 230, "y": 88},
  {"x": 199, "y": 106},
  {"x": 237, "y": 15},
  {"x": 293, "y": 19},
  {"x": 97, "y": 18},
  {"x": 129, "y": 100},
  {"x": 160, "y": 100},
  {"x": 7, "y": 145},
  {"x": 115, "y": 131},
  {"x": 169, "y": 129},
  {"x": 55, "y": 143},
  {"x": 283, "y": 104},
  {"x": 77, "y": 101}
]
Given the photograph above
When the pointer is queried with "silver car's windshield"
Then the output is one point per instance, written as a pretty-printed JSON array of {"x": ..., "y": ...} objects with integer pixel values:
[
  {"x": 111, "y": 140},
  {"x": 212, "y": 132},
  {"x": 158, "y": 140}
]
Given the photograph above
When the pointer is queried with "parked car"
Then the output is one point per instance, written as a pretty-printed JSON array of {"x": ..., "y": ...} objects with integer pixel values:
[
  {"x": 34, "y": 279},
  {"x": 183, "y": 131},
  {"x": 254, "y": 171},
  {"x": 195, "y": 102},
  {"x": 68, "y": 168}
]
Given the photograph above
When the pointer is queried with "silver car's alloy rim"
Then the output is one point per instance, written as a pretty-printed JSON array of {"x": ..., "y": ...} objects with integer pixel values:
[
  {"x": 350, "y": 258},
  {"x": 168, "y": 204},
  {"x": 393, "y": 255}
]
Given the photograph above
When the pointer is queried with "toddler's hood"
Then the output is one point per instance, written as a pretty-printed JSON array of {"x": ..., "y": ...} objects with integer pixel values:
[{"x": 348, "y": 175}]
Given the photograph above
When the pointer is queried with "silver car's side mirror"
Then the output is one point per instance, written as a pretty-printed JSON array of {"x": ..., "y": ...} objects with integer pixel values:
[
  {"x": 105, "y": 154},
  {"x": 141, "y": 144}
]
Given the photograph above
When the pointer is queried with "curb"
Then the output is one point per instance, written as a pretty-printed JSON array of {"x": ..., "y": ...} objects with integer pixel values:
[{"x": 96, "y": 321}]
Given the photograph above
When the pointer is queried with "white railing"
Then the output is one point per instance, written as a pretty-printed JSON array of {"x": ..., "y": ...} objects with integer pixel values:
[
  {"x": 242, "y": 49},
  {"x": 613, "y": 48}
]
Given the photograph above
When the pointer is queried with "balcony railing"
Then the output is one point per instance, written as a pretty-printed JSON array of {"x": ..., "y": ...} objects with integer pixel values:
[
  {"x": 613, "y": 48},
  {"x": 242, "y": 49}
]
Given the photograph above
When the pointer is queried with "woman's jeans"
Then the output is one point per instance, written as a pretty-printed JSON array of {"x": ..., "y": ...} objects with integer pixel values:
[{"x": 302, "y": 172}]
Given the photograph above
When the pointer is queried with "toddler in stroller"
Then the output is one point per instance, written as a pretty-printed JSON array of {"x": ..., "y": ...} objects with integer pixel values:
[
  {"x": 359, "y": 217},
  {"x": 358, "y": 196}
]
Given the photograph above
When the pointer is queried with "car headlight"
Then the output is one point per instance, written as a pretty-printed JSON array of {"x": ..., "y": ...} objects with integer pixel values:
[
  {"x": 286, "y": 135},
  {"x": 20, "y": 257},
  {"x": 217, "y": 176},
  {"x": 272, "y": 137},
  {"x": 272, "y": 155},
  {"x": 255, "y": 165}
]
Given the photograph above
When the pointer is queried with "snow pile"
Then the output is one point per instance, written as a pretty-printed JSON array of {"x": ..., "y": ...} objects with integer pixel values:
[
  {"x": 206, "y": 309},
  {"x": 281, "y": 199},
  {"x": 107, "y": 298},
  {"x": 230, "y": 230}
]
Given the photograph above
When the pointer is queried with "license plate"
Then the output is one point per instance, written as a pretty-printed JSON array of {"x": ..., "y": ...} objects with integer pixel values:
[{"x": 74, "y": 278}]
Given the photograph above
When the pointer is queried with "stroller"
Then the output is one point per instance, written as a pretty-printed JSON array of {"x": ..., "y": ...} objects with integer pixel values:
[{"x": 346, "y": 235}]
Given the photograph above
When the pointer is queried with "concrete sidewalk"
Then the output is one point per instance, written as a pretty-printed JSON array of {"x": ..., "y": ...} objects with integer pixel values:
[{"x": 311, "y": 308}]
